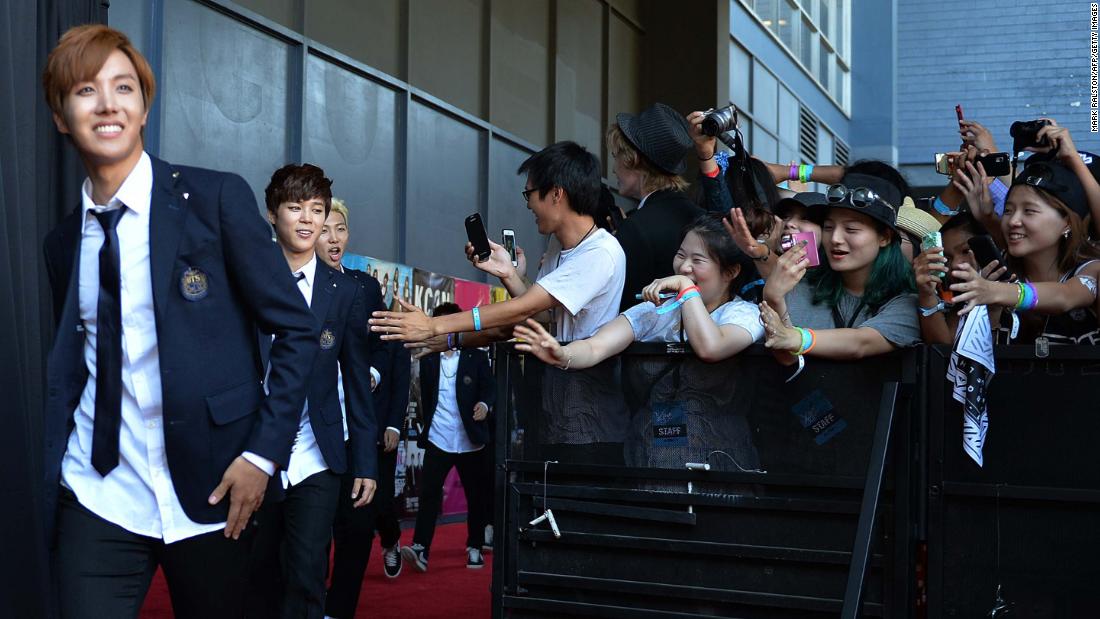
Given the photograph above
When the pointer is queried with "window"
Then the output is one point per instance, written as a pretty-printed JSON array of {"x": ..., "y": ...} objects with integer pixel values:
[
  {"x": 814, "y": 33},
  {"x": 740, "y": 76}
]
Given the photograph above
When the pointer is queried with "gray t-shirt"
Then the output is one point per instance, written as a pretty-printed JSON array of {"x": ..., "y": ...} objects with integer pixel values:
[{"x": 896, "y": 320}]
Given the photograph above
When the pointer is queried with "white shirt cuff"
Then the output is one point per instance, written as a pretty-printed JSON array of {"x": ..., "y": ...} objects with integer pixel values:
[
  {"x": 261, "y": 462},
  {"x": 394, "y": 429},
  {"x": 377, "y": 378}
]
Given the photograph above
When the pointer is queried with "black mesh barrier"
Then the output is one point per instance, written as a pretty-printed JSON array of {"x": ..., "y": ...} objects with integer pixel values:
[
  {"x": 688, "y": 489},
  {"x": 1028, "y": 519}
]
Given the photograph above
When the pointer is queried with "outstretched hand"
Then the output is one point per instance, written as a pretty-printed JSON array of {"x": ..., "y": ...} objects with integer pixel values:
[
  {"x": 538, "y": 342},
  {"x": 411, "y": 325}
]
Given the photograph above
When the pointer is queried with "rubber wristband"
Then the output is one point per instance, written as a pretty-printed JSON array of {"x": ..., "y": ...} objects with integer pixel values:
[
  {"x": 813, "y": 341},
  {"x": 1020, "y": 294},
  {"x": 792, "y": 174},
  {"x": 477, "y": 318},
  {"x": 713, "y": 173},
  {"x": 684, "y": 292},
  {"x": 1033, "y": 299},
  {"x": 941, "y": 207}
]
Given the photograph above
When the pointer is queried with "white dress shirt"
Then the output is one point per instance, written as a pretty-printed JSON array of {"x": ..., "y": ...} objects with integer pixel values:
[
  {"x": 447, "y": 431},
  {"x": 305, "y": 456},
  {"x": 137, "y": 495}
]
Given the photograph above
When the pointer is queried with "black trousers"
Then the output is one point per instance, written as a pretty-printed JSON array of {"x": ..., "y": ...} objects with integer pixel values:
[
  {"x": 471, "y": 470},
  {"x": 289, "y": 556},
  {"x": 353, "y": 535},
  {"x": 104, "y": 570}
]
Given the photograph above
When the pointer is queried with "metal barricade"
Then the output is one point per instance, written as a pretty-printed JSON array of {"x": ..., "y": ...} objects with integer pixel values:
[
  {"x": 805, "y": 510},
  {"x": 1028, "y": 519}
]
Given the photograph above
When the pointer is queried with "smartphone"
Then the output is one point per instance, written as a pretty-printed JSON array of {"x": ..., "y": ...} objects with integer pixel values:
[
  {"x": 508, "y": 240},
  {"x": 995, "y": 164},
  {"x": 986, "y": 251},
  {"x": 790, "y": 240},
  {"x": 475, "y": 232},
  {"x": 943, "y": 161},
  {"x": 930, "y": 240},
  {"x": 959, "y": 112}
]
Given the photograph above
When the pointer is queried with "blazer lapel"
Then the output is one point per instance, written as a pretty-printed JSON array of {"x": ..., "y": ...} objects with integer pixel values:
[
  {"x": 68, "y": 319},
  {"x": 168, "y": 210},
  {"x": 324, "y": 287}
]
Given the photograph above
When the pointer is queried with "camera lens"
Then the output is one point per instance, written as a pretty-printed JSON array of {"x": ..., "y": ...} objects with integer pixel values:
[{"x": 717, "y": 122}]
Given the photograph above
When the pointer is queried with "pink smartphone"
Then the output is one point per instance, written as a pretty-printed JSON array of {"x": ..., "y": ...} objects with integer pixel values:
[{"x": 811, "y": 246}]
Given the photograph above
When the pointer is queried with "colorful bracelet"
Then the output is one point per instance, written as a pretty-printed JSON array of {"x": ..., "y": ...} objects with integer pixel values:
[
  {"x": 792, "y": 174},
  {"x": 1027, "y": 298},
  {"x": 685, "y": 291},
  {"x": 805, "y": 172},
  {"x": 477, "y": 318},
  {"x": 813, "y": 341}
]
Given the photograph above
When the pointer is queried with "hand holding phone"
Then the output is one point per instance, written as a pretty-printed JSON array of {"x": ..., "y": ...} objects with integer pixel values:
[
  {"x": 475, "y": 232},
  {"x": 959, "y": 112},
  {"x": 792, "y": 240}
]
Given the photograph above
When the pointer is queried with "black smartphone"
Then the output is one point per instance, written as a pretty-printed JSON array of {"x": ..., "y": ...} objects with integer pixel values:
[
  {"x": 508, "y": 240},
  {"x": 995, "y": 164},
  {"x": 986, "y": 251},
  {"x": 475, "y": 232}
]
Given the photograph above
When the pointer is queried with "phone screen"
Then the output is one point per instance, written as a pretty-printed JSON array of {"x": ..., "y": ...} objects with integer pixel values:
[{"x": 508, "y": 238}]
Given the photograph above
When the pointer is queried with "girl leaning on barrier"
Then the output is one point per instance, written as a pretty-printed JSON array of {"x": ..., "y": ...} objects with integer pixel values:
[
  {"x": 860, "y": 301},
  {"x": 1045, "y": 230},
  {"x": 696, "y": 402}
]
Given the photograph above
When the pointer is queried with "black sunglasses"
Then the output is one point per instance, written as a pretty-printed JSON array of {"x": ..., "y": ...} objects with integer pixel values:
[{"x": 860, "y": 197}]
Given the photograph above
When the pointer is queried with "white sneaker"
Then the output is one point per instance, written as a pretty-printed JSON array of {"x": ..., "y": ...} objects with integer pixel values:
[{"x": 474, "y": 560}]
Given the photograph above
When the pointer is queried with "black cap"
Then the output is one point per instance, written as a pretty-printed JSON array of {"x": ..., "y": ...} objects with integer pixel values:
[
  {"x": 660, "y": 134},
  {"x": 815, "y": 203},
  {"x": 884, "y": 210},
  {"x": 1058, "y": 181},
  {"x": 1091, "y": 161}
]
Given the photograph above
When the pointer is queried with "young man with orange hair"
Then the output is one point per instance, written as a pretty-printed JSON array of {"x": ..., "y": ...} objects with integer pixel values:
[{"x": 159, "y": 438}]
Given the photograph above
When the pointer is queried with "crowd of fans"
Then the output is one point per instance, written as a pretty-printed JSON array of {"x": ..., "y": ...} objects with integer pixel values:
[{"x": 301, "y": 410}]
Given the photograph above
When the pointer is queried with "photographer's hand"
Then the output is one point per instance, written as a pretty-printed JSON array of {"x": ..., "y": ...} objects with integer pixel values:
[
  {"x": 975, "y": 134},
  {"x": 705, "y": 145}
]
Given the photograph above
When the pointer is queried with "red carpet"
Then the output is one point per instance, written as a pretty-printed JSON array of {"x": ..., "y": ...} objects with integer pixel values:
[{"x": 446, "y": 591}]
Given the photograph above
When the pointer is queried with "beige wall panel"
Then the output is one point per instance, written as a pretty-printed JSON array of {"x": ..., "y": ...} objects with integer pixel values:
[
  {"x": 520, "y": 81},
  {"x": 369, "y": 31},
  {"x": 579, "y": 65},
  {"x": 447, "y": 51}
]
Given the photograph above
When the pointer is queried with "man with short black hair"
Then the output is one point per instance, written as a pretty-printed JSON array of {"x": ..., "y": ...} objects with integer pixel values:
[
  {"x": 577, "y": 291},
  {"x": 294, "y": 530}
]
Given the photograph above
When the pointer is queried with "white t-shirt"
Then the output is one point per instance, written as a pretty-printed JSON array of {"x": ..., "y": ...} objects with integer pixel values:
[
  {"x": 588, "y": 281},
  {"x": 649, "y": 326}
]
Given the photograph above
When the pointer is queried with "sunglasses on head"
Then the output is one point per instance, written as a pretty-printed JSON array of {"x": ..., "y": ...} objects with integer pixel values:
[{"x": 860, "y": 197}]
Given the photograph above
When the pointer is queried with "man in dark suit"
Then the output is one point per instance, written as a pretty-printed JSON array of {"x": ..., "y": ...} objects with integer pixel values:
[
  {"x": 156, "y": 410},
  {"x": 456, "y": 391},
  {"x": 294, "y": 530},
  {"x": 649, "y": 151},
  {"x": 353, "y": 530}
]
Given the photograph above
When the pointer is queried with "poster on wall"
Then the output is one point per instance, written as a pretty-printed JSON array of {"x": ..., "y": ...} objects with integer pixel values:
[
  {"x": 431, "y": 289},
  {"x": 469, "y": 294}
]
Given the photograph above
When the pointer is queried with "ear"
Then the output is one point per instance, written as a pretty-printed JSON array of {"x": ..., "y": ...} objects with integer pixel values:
[
  {"x": 62, "y": 126},
  {"x": 886, "y": 238},
  {"x": 733, "y": 272},
  {"x": 271, "y": 217}
]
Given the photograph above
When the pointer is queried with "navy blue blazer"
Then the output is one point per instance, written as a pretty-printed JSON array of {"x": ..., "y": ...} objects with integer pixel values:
[
  {"x": 214, "y": 405},
  {"x": 340, "y": 308},
  {"x": 474, "y": 383},
  {"x": 391, "y": 359}
]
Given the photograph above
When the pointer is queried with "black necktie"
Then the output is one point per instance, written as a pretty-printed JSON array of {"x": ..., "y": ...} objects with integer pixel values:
[{"x": 108, "y": 350}]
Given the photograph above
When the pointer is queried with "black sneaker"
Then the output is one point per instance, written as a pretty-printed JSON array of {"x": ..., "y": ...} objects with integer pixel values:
[
  {"x": 474, "y": 560},
  {"x": 417, "y": 555},
  {"x": 487, "y": 545},
  {"x": 391, "y": 561}
]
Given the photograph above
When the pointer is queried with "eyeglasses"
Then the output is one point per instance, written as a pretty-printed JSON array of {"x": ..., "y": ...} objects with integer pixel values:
[
  {"x": 860, "y": 197},
  {"x": 527, "y": 194}
]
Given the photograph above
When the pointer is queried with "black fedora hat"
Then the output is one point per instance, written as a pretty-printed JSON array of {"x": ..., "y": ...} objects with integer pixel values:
[{"x": 660, "y": 134}]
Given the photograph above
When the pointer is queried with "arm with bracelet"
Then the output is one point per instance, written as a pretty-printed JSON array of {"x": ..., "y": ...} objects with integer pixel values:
[{"x": 1042, "y": 297}]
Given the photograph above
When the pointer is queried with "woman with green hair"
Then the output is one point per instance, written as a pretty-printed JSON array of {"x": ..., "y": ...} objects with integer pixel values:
[{"x": 861, "y": 300}]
